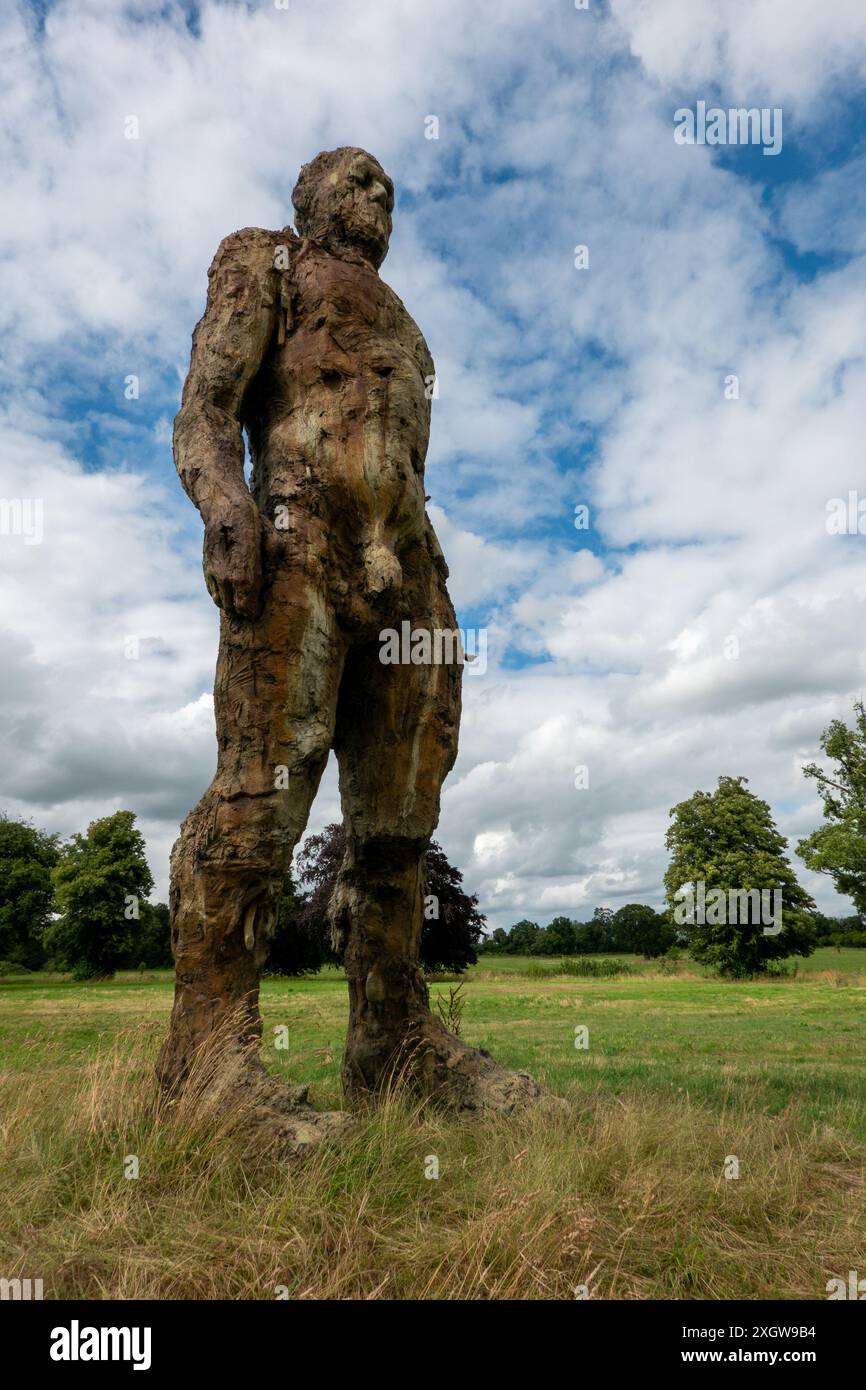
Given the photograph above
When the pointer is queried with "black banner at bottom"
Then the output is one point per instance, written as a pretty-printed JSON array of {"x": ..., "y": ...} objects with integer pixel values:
[{"x": 66, "y": 1339}]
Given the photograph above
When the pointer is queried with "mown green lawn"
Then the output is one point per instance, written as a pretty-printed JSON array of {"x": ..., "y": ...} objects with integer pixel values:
[
  {"x": 623, "y": 1190},
  {"x": 793, "y": 1044}
]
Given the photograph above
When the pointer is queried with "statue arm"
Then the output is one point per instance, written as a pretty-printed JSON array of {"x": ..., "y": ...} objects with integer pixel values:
[{"x": 228, "y": 347}]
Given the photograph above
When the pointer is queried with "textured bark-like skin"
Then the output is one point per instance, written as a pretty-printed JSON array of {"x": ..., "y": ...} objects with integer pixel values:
[{"x": 307, "y": 349}]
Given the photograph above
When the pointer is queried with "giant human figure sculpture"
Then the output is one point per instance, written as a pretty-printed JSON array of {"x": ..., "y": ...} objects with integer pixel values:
[{"x": 305, "y": 348}]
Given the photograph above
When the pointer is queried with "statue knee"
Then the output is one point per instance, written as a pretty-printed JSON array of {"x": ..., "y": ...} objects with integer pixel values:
[
  {"x": 249, "y": 832},
  {"x": 376, "y": 886},
  {"x": 383, "y": 856},
  {"x": 309, "y": 743}
]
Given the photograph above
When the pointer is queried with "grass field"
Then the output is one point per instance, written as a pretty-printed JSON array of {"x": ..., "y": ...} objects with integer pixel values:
[{"x": 622, "y": 1192}]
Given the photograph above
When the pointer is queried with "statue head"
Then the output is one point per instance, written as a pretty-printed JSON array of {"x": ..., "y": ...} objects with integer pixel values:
[{"x": 344, "y": 199}]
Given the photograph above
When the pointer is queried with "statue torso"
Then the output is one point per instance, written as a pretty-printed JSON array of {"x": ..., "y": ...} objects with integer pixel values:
[{"x": 339, "y": 415}]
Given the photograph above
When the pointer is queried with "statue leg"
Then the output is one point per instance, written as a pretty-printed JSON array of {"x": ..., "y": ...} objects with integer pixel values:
[
  {"x": 396, "y": 740},
  {"x": 275, "y": 702}
]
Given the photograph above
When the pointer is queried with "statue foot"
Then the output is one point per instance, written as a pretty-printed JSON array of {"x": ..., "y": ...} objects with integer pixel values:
[
  {"x": 284, "y": 1118},
  {"x": 272, "y": 1112},
  {"x": 467, "y": 1079},
  {"x": 462, "y": 1079}
]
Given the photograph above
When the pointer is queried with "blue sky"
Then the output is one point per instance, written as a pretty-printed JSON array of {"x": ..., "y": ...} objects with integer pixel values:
[{"x": 608, "y": 647}]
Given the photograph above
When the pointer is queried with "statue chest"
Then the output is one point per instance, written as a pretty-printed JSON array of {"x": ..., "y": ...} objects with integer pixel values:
[{"x": 339, "y": 320}]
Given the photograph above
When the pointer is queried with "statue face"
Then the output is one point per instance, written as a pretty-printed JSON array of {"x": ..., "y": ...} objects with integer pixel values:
[
  {"x": 351, "y": 205},
  {"x": 344, "y": 198},
  {"x": 363, "y": 200}
]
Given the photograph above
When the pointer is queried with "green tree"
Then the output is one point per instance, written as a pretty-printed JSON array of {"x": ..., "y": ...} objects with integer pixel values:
[
  {"x": 726, "y": 840},
  {"x": 27, "y": 857},
  {"x": 589, "y": 937},
  {"x": 643, "y": 930},
  {"x": 607, "y": 936},
  {"x": 496, "y": 943},
  {"x": 522, "y": 938},
  {"x": 149, "y": 942},
  {"x": 559, "y": 937},
  {"x": 838, "y": 848},
  {"x": 839, "y": 931},
  {"x": 101, "y": 882}
]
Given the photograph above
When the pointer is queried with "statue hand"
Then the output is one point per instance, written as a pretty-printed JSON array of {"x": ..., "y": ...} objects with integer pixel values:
[{"x": 233, "y": 555}]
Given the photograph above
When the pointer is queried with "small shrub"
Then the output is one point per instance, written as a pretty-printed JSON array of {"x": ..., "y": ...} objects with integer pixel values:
[
  {"x": 536, "y": 971},
  {"x": 779, "y": 970},
  {"x": 669, "y": 963},
  {"x": 591, "y": 969},
  {"x": 85, "y": 972},
  {"x": 451, "y": 1010}
]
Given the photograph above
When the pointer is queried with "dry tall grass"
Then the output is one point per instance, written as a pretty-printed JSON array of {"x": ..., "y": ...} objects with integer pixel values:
[{"x": 626, "y": 1196}]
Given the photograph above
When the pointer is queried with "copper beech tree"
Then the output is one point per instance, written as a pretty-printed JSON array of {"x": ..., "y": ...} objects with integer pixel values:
[{"x": 303, "y": 347}]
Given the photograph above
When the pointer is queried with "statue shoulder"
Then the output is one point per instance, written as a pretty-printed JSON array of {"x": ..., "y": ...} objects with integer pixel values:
[
  {"x": 255, "y": 251},
  {"x": 411, "y": 332}
]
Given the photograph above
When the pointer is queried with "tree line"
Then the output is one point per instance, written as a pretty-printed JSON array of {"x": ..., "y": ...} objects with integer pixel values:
[
  {"x": 634, "y": 928},
  {"x": 727, "y": 858},
  {"x": 83, "y": 905}
]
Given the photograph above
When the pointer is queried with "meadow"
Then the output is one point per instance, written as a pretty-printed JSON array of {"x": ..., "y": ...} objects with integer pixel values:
[{"x": 620, "y": 1193}]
